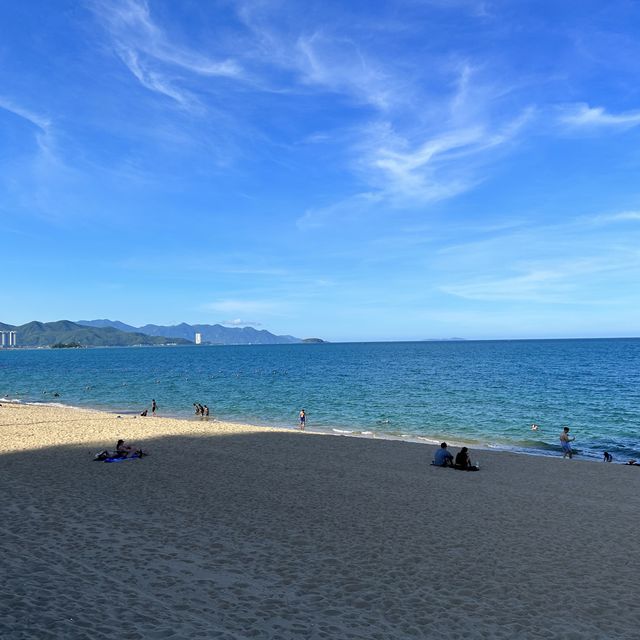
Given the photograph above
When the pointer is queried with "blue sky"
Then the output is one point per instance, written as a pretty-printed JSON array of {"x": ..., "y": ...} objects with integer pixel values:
[{"x": 348, "y": 170}]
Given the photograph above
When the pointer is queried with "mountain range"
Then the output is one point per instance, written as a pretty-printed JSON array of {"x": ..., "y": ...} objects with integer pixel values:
[
  {"x": 211, "y": 333},
  {"x": 42, "y": 334}
]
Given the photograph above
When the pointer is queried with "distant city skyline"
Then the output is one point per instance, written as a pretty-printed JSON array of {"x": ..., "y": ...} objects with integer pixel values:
[{"x": 344, "y": 170}]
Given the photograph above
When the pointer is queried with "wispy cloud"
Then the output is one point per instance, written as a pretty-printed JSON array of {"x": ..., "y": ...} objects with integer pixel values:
[
  {"x": 572, "y": 269},
  {"x": 432, "y": 169},
  {"x": 540, "y": 285},
  {"x": 42, "y": 122},
  {"x": 623, "y": 216},
  {"x": 412, "y": 170},
  {"x": 582, "y": 115},
  {"x": 151, "y": 55},
  {"x": 35, "y": 176},
  {"x": 43, "y": 126},
  {"x": 548, "y": 281},
  {"x": 339, "y": 65}
]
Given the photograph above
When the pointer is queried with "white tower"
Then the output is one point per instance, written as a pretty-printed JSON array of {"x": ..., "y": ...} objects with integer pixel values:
[{"x": 198, "y": 338}]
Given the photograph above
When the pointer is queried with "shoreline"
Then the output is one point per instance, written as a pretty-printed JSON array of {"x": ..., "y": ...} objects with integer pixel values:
[{"x": 364, "y": 434}]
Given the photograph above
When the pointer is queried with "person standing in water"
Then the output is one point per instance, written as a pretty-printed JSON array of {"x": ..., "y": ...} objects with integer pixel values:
[
  {"x": 303, "y": 419},
  {"x": 154, "y": 406},
  {"x": 565, "y": 442}
]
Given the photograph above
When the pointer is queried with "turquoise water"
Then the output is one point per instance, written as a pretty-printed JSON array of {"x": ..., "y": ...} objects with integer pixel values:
[{"x": 483, "y": 393}]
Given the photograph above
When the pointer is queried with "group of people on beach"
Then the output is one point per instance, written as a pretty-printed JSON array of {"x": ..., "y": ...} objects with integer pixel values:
[
  {"x": 154, "y": 408},
  {"x": 444, "y": 458},
  {"x": 567, "y": 449},
  {"x": 201, "y": 409}
]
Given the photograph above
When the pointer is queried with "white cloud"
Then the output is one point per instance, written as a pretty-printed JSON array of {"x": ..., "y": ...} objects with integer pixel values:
[
  {"x": 153, "y": 80},
  {"x": 237, "y": 322},
  {"x": 435, "y": 169},
  {"x": 535, "y": 286},
  {"x": 149, "y": 53},
  {"x": 42, "y": 122},
  {"x": 403, "y": 172},
  {"x": 623, "y": 216},
  {"x": 559, "y": 264},
  {"x": 340, "y": 66},
  {"x": 582, "y": 115}
]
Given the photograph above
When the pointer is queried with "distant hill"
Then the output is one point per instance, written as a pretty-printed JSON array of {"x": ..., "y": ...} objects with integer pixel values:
[
  {"x": 42, "y": 334},
  {"x": 115, "y": 324},
  {"x": 212, "y": 333}
]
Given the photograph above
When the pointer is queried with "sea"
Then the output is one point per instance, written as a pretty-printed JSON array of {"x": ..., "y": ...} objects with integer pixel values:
[{"x": 486, "y": 394}]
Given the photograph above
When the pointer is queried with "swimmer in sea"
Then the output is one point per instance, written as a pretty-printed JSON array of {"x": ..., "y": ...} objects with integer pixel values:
[{"x": 534, "y": 427}]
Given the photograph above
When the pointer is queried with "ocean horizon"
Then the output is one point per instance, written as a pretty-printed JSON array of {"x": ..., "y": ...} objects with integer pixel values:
[{"x": 485, "y": 393}]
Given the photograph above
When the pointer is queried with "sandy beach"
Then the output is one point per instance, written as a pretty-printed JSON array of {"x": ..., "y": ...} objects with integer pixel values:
[{"x": 231, "y": 531}]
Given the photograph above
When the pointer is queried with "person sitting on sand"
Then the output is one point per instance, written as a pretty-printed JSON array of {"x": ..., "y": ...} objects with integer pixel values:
[
  {"x": 463, "y": 462},
  {"x": 607, "y": 457},
  {"x": 144, "y": 413},
  {"x": 565, "y": 442},
  {"x": 122, "y": 449},
  {"x": 443, "y": 457}
]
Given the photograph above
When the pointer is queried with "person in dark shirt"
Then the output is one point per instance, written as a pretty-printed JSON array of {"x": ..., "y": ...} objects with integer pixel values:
[{"x": 463, "y": 462}]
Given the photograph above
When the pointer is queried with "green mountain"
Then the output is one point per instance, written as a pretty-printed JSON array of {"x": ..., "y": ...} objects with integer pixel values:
[
  {"x": 42, "y": 334},
  {"x": 210, "y": 333}
]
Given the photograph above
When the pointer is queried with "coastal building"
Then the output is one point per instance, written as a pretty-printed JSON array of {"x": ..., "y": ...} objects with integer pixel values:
[
  {"x": 8, "y": 338},
  {"x": 198, "y": 339}
]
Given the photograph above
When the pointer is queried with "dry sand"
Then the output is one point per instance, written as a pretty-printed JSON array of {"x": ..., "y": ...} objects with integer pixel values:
[{"x": 228, "y": 531}]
